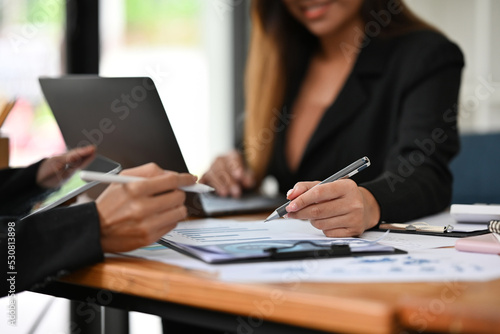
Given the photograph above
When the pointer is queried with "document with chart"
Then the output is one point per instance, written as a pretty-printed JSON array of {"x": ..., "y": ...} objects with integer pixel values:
[{"x": 226, "y": 241}]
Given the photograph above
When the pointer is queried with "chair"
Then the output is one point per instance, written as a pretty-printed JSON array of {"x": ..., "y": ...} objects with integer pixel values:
[{"x": 476, "y": 170}]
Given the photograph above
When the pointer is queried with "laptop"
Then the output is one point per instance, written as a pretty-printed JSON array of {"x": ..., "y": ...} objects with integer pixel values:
[
  {"x": 75, "y": 186},
  {"x": 125, "y": 118}
]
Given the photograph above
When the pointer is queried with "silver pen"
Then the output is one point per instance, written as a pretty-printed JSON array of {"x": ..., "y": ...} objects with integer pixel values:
[{"x": 344, "y": 173}]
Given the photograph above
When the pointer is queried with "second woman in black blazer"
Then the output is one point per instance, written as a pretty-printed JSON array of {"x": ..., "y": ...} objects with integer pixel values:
[
  {"x": 390, "y": 94},
  {"x": 51, "y": 243}
]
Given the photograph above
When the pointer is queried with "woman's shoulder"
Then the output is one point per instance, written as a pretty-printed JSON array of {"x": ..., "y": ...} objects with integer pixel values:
[
  {"x": 427, "y": 46},
  {"x": 422, "y": 36}
]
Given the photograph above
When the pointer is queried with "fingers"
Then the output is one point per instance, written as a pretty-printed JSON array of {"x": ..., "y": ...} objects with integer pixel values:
[
  {"x": 248, "y": 179},
  {"x": 299, "y": 189},
  {"x": 337, "y": 208},
  {"x": 322, "y": 210},
  {"x": 228, "y": 175},
  {"x": 146, "y": 170},
  {"x": 142, "y": 224},
  {"x": 341, "y": 225},
  {"x": 219, "y": 178},
  {"x": 238, "y": 170},
  {"x": 63, "y": 166},
  {"x": 74, "y": 159},
  {"x": 308, "y": 194},
  {"x": 130, "y": 236},
  {"x": 157, "y": 180},
  {"x": 55, "y": 170},
  {"x": 160, "y": 184},
  {"x": 79, "y": 156},
  {"x": 138, "y": 213},
  {"x": 146, "y": 206},
  {"x": 235, "y": 165},
  {"x": 167, "y": 221}
]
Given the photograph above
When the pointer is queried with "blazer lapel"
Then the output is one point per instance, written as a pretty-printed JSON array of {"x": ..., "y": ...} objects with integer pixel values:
[
  {"x": 371, "y": 61},
  {"x": 350, "y": 99}
]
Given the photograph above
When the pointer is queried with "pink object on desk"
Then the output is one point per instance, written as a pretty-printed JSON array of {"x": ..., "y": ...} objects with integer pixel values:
[{"x": 486, "y": 243}]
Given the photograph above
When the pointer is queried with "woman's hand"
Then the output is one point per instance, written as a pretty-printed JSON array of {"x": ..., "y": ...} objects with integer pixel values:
[
  {"x": 229, "y": 176},
  {"x": 137, "y": 214},
  {"x": 55, "y": 170},
  {"x": 339, "y": 208}
]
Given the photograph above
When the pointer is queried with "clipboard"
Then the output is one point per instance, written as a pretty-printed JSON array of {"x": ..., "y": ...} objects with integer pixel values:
[
  {"x": 259, "y": 251},
  {"x": 426, "y": 229},
  {"x": 318, "y": 251}
]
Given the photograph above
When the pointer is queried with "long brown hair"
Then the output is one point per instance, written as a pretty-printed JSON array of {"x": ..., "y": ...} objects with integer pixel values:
[{"x": 277, "y": 46}]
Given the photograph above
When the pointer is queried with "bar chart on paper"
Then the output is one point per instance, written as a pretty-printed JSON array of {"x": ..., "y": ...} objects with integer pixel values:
[
  {"x": 221, "y": 234},
  {"x": 221, "y": 231}
]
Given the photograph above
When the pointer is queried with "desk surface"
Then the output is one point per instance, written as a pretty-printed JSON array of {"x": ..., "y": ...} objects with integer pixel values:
[{"x": 338, "y": 307}]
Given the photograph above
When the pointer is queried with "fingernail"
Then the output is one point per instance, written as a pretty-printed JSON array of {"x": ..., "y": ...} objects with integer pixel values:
[
  {"x": 235, "y": 191},
  {"x": 289, "y": 192},
  {"x": 238, "y": 173},
  {"x": 291, "y": 207}
]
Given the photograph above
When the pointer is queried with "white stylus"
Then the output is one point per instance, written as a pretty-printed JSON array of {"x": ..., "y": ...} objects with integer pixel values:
[{"x": 114, "y": 178}]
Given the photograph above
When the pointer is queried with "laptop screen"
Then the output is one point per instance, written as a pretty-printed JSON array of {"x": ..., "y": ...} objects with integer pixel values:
[{"x": 123, "y": 117}]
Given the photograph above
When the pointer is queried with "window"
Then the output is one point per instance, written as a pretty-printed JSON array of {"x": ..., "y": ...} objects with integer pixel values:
[
  {"x": 183, "y": 45},
  {"x": 31, "y": 36},
  {"x": 473, "y": 25}
]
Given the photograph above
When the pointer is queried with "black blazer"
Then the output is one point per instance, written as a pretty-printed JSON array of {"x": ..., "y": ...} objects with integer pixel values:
[
  {"x": 399, "y": 108},
  {"x": 43, "y": 245}
]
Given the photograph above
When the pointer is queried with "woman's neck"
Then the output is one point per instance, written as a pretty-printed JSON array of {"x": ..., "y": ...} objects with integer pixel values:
[{"x": 344, "y": 43}]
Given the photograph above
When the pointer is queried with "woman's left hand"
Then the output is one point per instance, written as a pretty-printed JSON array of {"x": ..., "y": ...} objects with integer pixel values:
[
  {"x": 55, "y": 170},
  {"x": 339, "y": 208}
]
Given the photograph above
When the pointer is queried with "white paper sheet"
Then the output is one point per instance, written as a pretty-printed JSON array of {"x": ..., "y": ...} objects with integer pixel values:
[
  {"x": 435, "y": 265},
  {"x": 225, "y": 231},
  {"x": 409, "y": 242},
  {"x": 423, "y": 263}
]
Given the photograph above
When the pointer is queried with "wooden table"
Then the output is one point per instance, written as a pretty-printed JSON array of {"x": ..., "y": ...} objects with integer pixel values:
[{"x": 148, "y": 286}]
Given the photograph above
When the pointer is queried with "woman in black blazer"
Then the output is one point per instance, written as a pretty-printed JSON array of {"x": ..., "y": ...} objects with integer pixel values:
[{"x": 329, "y": 82}]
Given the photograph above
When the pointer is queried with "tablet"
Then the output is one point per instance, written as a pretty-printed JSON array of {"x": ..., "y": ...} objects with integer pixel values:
[{"x": 75, "y": 186}]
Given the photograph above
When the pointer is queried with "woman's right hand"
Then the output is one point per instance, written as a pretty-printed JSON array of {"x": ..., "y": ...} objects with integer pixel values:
[
  {"x": 229, "y": 175},
  {"x": 139, "y": 213}
]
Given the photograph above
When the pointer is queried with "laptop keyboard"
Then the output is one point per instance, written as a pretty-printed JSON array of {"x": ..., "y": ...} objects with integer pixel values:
[{"x": 213, "y": 204}]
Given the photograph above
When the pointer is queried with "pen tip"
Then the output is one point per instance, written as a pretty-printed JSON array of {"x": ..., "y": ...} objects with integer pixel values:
[{"x": 272, "y": 216}]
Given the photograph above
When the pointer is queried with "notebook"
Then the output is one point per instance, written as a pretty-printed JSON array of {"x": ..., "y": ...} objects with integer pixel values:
[{"x": 125, "y": 118}]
